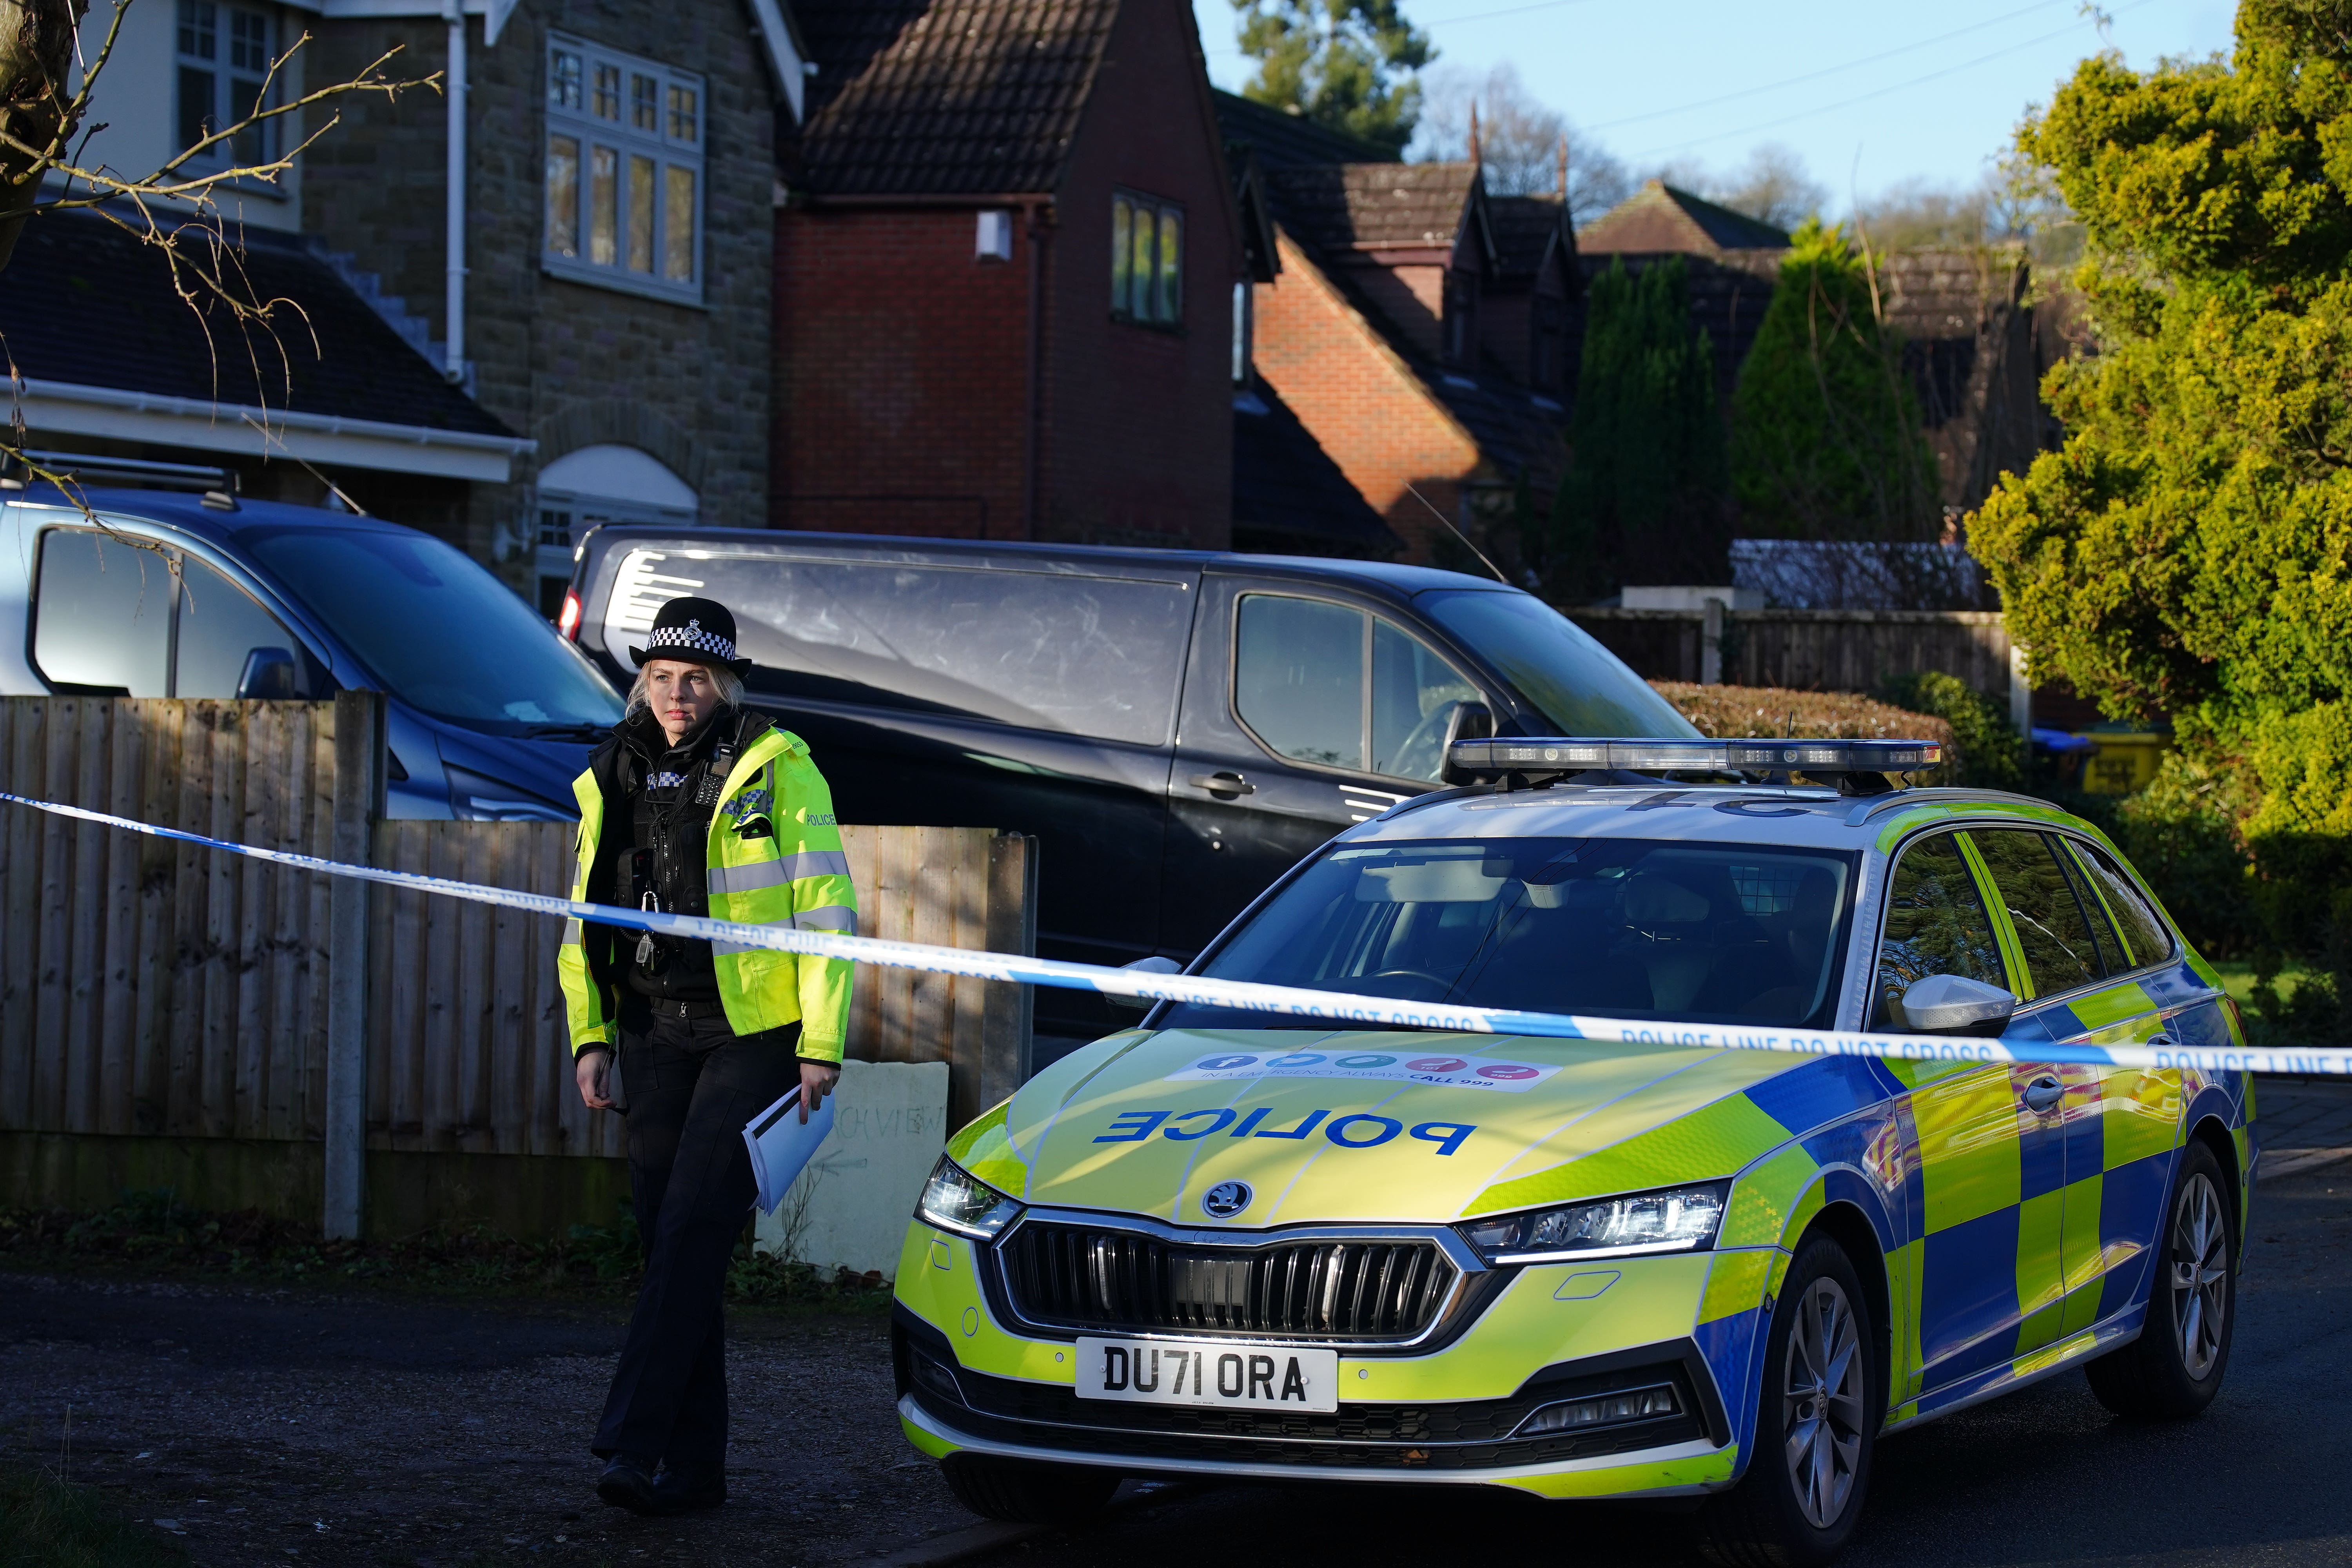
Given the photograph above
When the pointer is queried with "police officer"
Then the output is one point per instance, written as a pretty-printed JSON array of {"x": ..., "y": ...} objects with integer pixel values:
[{"x": 697, "y": 806}]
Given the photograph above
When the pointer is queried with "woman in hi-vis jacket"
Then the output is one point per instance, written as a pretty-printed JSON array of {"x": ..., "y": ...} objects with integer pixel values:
[{"x": 696, "y": 806}]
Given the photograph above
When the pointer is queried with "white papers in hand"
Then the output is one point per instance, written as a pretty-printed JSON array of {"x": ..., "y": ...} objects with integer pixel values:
[{"x": 781, "y": 1143}]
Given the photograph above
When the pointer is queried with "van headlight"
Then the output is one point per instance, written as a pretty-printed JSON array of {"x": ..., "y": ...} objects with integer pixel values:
[
  {"x": 954, "y": 1199},
  {"x": 1674, "y": 1219}
]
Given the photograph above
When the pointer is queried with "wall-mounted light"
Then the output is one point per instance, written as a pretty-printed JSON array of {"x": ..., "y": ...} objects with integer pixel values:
[{"x": 995, "y": 238}]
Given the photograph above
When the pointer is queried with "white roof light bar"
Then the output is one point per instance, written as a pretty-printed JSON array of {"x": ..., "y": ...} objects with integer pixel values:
[{"x": 1560, "y": 754}]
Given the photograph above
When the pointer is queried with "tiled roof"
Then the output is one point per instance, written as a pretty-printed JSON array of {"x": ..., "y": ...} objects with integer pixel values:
[
  {"x": 1287, "y": 141},
  {"x": 87, "y": 303},
  {"x": 1659, "y": 217},
  {"x": 944, "y": 97},
  {"x": 1362, "y": 206},
  {"x": 1283, "y": 483},
  {"x": 1951, "y": 293},
  {"x": 1513, "y": 431},
  {"x": 1524, "y": 227}
]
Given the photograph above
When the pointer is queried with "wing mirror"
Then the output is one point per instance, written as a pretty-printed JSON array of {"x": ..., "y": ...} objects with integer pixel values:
[
  {"x": 1155, "y": 964},
  {"x": 269, "y": 676},
  {"x": 1955, "y": 1005},
  {"x": 1468, "y": 721}
]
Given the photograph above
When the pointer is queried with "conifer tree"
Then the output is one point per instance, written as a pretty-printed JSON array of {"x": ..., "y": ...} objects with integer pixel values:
[
  {"x": 1642, "y": 498},
  {"x": 1826, "y": 442}
]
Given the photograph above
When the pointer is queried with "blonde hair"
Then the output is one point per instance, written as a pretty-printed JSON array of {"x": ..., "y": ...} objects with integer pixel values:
[{"x": 730, "y": 685}]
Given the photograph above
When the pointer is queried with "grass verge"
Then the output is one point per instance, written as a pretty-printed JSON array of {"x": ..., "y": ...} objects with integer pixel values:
[
  {"x": 48, "y": 1524},
  {"x": 153, "y": 1235}
]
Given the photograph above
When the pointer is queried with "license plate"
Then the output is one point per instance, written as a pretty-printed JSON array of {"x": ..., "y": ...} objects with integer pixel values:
[{"x": 1223, "y": 1373}]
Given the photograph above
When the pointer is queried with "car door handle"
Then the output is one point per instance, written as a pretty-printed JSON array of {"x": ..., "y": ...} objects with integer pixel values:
[
  {"x": 1223, "y": 783},
  {"x": 2042, "y": 1095}
]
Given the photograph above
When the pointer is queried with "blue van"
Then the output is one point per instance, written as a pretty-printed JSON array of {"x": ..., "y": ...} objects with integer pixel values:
[{"x": 490, "y": 713}]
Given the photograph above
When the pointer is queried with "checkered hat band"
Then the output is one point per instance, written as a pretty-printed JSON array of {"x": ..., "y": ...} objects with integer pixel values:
[{"x": 691, "y": 637}]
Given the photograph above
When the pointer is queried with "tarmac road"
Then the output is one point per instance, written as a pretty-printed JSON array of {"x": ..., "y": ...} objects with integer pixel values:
[{"x": 2044, "y": 1476}]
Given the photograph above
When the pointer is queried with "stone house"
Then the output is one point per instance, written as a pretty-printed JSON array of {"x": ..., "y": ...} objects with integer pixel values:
[
  {"x": 558, "y": 267},
  {"x": 1007, "y": 258}
]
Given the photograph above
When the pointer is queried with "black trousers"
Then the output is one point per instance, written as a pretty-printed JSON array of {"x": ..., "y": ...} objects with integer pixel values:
[{"x": 690, "y": 1084}]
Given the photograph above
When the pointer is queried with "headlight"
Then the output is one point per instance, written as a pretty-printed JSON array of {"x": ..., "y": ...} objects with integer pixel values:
[
  {"x": 954, "y": 1199},
  {"x": 1675, "y": 1220}
]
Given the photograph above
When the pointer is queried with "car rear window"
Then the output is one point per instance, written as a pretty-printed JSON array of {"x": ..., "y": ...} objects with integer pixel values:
[
  {"x": 1610, "y": 927},
  {"x": 1084, "y": 655}
]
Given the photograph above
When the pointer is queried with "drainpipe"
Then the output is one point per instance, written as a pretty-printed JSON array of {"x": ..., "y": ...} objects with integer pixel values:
[
  {"x": 453, "y": 364},
  {"x": 1031, "y": 480}
]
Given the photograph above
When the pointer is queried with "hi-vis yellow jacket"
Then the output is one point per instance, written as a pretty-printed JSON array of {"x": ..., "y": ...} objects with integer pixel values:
[{"x": 774, "y": 856}]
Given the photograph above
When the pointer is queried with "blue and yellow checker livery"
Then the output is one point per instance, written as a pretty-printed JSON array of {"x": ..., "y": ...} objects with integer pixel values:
[{"x": 2004, "y": 1221}]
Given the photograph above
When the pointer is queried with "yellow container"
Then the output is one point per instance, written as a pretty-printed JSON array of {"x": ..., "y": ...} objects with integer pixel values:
[{"x": 2123, "y": 761}]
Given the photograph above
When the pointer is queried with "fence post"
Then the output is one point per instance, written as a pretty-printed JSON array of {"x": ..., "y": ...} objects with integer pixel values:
[
  {"x": 1008, "y": 1011},
  {"x": 1710, "y": 647},
  {"x": 358, "y": 792}
]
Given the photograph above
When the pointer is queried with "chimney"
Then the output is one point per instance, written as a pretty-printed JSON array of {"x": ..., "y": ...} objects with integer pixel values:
[{"x": 1563, "y": 165}]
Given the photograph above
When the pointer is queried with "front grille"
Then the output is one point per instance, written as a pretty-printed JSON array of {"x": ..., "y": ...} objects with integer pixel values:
[{"x": 1075, "y": 1277}]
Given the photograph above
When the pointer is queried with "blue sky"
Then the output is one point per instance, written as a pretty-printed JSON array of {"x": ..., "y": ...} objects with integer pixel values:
[{"x": 1896, "y": 91}]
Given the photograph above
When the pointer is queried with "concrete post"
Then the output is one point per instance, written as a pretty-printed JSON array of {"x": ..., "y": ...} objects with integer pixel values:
[
  {"x": 2020, "y": 695},
  {"x": 1711, "y": 646},
  {"x": 358, "y": 801}
]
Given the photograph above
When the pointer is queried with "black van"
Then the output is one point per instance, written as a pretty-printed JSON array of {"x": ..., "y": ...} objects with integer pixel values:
[{"x": 1179, "y": 728}]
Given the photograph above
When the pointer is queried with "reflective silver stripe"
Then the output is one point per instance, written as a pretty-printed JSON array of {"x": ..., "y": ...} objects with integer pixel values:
[
  {"x": 776, "y": 873},
  {"x": 718, "y": 947},
  {"x": 572, "y": 933},
  {"x": 832, "y": 917}
]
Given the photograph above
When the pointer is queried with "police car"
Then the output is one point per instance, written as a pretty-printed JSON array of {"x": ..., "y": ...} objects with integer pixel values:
[{"x": 1231, "y": 1243}]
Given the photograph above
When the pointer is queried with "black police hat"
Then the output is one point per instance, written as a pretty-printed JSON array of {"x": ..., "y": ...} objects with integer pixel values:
[{"x": 698, "y": 631}]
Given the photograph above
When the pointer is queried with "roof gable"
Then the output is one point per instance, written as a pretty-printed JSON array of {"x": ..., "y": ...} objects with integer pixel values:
[
  {"x": 1526, "y": 230},
  {"x": 1661, "y": 219},
  {"x": 1336, "y": 207},
  {"x": 945, "y": 97}
]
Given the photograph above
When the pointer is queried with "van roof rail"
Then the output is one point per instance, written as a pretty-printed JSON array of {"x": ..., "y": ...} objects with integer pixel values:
[{"x": 144, "y": 473}]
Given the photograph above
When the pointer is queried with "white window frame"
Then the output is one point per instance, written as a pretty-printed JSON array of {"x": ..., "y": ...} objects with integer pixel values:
[
  {"x": 226, "y": 72},
  {"x": 573, "y": 105}
]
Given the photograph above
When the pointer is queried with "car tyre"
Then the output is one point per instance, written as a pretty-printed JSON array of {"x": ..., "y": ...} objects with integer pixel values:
[
  {"x": 1816, "y": 1422},
  {"x": 2173, "y": 1369},
  {"x": 1026, "y": 1492}
]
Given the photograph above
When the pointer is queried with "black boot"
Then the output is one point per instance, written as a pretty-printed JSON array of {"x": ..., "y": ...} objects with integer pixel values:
[
  {"x": 690, "y": 1491},
  {"x": 628, "y": 1482}
]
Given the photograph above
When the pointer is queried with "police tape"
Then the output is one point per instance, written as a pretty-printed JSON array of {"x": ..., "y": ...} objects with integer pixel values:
[{"x": 1332, "y": 1006}]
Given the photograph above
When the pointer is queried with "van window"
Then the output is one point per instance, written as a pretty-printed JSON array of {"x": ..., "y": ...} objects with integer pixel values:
[
  {"x": 1580, "y": 686},
  {"x": 221, "y": 630},
  {"x": 439, "y": 629},
  {"x": 1298, "y": 684},
  {"x": 1084, "y": 655},
  {"x": 102, "y": 614}
]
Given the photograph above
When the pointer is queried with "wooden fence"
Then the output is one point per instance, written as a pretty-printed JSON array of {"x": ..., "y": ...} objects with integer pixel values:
[
  {"x": 1810, "y": 650},
  {"x": 177, "y": 999}
]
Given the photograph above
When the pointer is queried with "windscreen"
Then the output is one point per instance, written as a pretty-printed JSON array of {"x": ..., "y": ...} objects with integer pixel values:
[
  {"x": 1580, "y": 686},
  {"x": 1613, "y": 927},
  {"x": 442, "y": 634}
]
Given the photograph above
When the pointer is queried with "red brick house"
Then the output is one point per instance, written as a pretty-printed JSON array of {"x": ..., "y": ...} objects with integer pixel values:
[
  {"x": 1419, "y": 330},
  {"x": 1007, "y": 258}
]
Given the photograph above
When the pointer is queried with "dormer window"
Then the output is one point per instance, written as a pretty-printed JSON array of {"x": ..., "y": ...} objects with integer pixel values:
[{"x": 1461, "y": 320}]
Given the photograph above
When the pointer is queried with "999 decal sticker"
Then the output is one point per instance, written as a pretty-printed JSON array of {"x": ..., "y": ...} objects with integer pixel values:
[{"x": 1440, "y": 1068}]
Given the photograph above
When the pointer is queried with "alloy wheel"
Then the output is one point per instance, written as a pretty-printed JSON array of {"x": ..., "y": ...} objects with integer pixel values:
[
  {"x": 2200, "y": 1276},
  {"x": 1823, "y": 1402}
]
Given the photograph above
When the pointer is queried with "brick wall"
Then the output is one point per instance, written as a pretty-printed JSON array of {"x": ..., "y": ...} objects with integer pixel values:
[
  {"x": 901, "y": 374},
  {"x": 1361, "y": 403},
  {"x": 902, "y": 362},
  {"x": 564, "y": 364}
]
